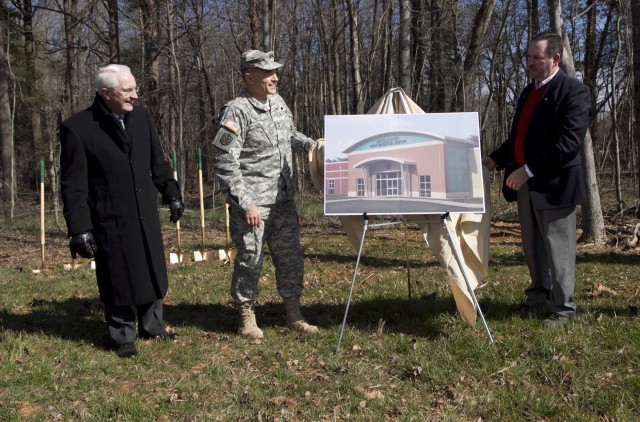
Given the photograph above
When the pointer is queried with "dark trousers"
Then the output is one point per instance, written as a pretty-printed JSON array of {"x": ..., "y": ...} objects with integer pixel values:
[
  {"x": 121, "y": 321},
  {"x": 549, "y": 245}
]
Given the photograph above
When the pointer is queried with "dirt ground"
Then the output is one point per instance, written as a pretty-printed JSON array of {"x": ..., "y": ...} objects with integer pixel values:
[{"x": 21, "y": 248}]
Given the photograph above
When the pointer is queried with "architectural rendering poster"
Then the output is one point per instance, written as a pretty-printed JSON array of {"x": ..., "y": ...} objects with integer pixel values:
[{"x": 385, "y": 164}]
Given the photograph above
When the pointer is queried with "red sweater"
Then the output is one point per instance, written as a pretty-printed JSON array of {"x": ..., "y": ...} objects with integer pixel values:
[{"x": 523, "y": 123}]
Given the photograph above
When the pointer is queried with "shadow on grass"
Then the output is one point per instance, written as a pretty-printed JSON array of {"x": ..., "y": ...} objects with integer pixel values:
[
  {"x": 507, "y": 259},
  {"x": 608, "y": 257},
  {"x": 502, "y": 311},
  {"x": 368, "y": 260},
  {"x": 81, "y": 319},
  {"x": 415, "y": 317},
  {"x": 78, "y": 319}
]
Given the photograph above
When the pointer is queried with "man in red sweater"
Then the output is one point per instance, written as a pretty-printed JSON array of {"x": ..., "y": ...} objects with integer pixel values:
[{"x": 542, "y": 159}]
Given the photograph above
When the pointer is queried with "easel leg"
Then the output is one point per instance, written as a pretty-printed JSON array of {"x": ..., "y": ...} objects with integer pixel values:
[
  {"x": 353, "y": 281},
  {"x": 458, "y": 255},
  {"x": 406, "y": 254}
]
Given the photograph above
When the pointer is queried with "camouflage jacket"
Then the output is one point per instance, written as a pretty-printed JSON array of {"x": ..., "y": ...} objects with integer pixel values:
[{"x": 252, "y": 155}]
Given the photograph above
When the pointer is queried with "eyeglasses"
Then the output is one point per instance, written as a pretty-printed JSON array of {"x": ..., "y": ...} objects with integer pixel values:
[{"x": 128, "y": 91}]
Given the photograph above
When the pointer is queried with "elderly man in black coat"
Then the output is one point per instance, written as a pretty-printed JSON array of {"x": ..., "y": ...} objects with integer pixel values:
[{"x": 112, "y": 168}]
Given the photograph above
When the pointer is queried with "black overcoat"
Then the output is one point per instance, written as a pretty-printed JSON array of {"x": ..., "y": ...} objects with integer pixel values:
[{"x": 110, "y": 184}]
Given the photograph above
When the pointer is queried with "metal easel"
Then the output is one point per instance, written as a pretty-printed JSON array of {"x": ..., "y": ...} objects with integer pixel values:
[{"x": 458, "y": 255}]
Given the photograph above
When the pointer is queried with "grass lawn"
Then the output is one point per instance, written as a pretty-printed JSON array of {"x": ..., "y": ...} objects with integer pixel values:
[{"x": 401, "y": 359}]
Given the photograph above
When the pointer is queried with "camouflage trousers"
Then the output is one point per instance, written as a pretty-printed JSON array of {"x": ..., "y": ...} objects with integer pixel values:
[{"x": 280, "y": 230}]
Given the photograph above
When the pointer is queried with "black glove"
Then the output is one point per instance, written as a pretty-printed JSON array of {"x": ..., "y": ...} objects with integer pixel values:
[
  {"x": 83, "y": 244},
  {"x": 176, "y": 207}
]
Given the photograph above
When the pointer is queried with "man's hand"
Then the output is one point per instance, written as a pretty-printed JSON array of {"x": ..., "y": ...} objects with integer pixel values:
[
  {"x": 177, "y": 208},
  {"x": 252, "y": 216},
  {"x": 83, "y": 244},
  {"x": 489, "y": 163},
  {"x": 517, "y": 179}
]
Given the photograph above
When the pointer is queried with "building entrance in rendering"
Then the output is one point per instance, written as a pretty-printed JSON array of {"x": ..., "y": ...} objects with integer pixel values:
[{"x": 389, "y": 184}]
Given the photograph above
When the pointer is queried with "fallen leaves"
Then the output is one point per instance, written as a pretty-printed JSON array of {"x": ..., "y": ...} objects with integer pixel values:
[
  {"x": 357, "y": 351},
  {"x": 198, "y": 369},
  {"x": 26, "y": 408},
  {"x": 447, "y": 395},
  {"x": 176, "y": 396},
  {"x": 563, "y": 359},
  {"x": 375, "y": 394},
  {"x": 413, "y": 373},
  {"x": 599, "y": 289}
]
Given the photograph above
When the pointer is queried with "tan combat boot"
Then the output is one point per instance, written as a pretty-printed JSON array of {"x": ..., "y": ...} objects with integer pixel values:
[
  {"x": 295, "y": 320},
  {"x": 248, "y": 326}
]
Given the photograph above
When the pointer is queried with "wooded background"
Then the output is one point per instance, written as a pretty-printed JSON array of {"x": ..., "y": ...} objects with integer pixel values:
[{"x": 339, "y": 57}]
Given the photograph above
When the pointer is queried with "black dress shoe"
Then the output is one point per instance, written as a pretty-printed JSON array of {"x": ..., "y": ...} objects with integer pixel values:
[
  {"x": 127, "y": 350},
  {"x": 555, "y": 320},
  {"x": 165, "y": 335}
]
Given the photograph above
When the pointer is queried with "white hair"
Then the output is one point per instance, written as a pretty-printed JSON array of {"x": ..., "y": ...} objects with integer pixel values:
[{"x": 107, "y": 76}]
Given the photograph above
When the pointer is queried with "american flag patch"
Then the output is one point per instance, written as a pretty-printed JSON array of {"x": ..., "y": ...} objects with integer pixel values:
[{"x": 231, "y": 125}]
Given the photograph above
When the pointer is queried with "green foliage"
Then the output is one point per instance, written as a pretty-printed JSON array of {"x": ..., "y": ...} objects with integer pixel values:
[{"x": 401, "y": 358}]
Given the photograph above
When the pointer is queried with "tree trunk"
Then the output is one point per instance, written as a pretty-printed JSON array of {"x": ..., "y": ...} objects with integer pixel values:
[
  {"x": 480, "y": 25},
  {"x": 177, "y": 105},
  {"x": 207, "y": 130},
  {"x": 404, "y": 50},
  {"x": 635, "y": 16},
  {"x": 388, "y": 45},
  {"x": 590, "y": 70},
  {"x": 267, "y": 36},
  {"x": 534, "y": 17},
  {"x": 31, "y": 80},
  {"x": 254, "y": 27},
  {"x": 298, "y": 164},
  {"x": 150, "y": 15},
  {"x": 337, "y": 68},
  {"x": 114, "y": 31},
  {"x": 6, "y": 135},
  {"x": 71, "y": 75},
  {"x": 593, "y": 230},
  {"x": 492, "y": 86},
  {"x": 436, "y": 61},
  {"x": 207, "y": 103},
  {"x": 418, "y": 48},
  {"x": 617, "y": 170},
  {"x": 352, "y": 9},
  {"x": 327, "y": 43},
  {"x": 54, "y": 172}
]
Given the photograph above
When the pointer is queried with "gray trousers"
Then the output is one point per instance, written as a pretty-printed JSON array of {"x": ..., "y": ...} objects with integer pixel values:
[
  {"x": 121, "y": 321},
  {"x": 549, "y": 245},
  {"x": 280, "y": 230}
]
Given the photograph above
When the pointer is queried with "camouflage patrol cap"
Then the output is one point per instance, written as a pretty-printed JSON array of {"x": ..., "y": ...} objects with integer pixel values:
[{"x": 259, "y": 59}]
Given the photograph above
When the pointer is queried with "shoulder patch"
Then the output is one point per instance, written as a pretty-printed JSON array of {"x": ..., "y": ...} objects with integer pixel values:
[
  {"x": 224, "y": 139},
  {"x": 231, "y": 125}
]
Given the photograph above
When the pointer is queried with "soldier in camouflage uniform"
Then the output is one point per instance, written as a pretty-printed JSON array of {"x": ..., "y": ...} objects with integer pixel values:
[{"x": 253, "y": 163}]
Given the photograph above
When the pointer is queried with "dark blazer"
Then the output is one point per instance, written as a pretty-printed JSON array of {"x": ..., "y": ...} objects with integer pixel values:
[
  {"x": 552, "y": 144},
  {"x": 110, "y": 182}
]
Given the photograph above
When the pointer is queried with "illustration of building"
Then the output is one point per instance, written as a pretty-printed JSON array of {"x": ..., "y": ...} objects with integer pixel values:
[{"x": 407, "y": 164}]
